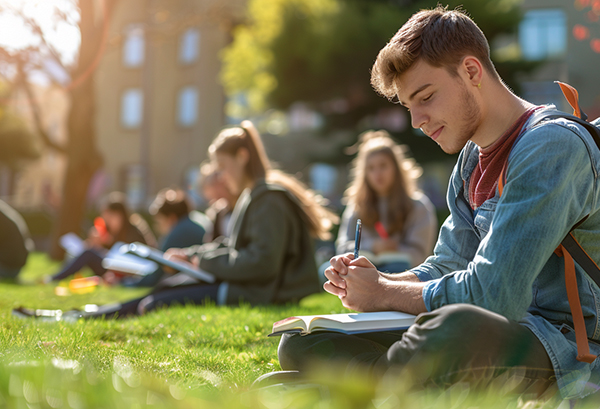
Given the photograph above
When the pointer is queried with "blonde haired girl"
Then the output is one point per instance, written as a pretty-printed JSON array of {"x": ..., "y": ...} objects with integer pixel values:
[{"x": 399, "y": 222}]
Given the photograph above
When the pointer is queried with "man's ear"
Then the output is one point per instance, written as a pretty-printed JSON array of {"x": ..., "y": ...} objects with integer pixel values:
[{"x": 473, "y": 69}]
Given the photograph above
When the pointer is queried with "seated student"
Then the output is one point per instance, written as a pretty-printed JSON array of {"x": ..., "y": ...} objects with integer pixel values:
[
  {"x": 501, "y": 299},
  {"x": 15, "y": 243},
  {"x": 221, "y": 202},
  {"x": 269, "y": 257},
  {"x": 116, "y": 225},
  {"x": 398, "y": 221},
  {"x": 177, "y": 224}
]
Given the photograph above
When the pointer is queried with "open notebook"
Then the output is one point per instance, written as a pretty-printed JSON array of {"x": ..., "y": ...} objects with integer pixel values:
[
  {"x": 157, "y": 256},
  {"x": 352, "y": 323},
  {"x": 117, "y": 260}
]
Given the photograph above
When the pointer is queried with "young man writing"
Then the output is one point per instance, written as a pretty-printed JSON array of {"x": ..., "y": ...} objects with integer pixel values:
[{"x": 492, "y": 298}]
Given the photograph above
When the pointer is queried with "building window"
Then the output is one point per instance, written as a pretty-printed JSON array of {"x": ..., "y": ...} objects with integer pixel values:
[
  {"x": 187, "y": 106},
  {"x": 543, "y": 34},
  {"x": 133, "y": 46},
  {"x": 132, "y": 104},
  {"x": 133, "y": 178},
  {"x": 189, "y": 46}
]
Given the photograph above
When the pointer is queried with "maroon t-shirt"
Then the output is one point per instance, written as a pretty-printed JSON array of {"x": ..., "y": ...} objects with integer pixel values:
[{"x": 484, "y": 179}]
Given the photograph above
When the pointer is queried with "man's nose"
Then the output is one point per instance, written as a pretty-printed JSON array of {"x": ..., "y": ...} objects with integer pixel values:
[{"x": 418, "y": 118}]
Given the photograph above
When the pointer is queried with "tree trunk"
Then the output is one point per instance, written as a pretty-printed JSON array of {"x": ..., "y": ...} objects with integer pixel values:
[{"x": 83, "y": 157}]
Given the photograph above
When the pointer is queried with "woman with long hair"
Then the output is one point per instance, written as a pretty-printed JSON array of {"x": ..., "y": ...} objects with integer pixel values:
[
  {"x": 268, "y": 257},
  {"x": 399, "y": 222}
]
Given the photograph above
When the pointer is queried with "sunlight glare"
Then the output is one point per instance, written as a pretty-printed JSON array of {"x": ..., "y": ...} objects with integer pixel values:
[{"x": 63, "y": 35}]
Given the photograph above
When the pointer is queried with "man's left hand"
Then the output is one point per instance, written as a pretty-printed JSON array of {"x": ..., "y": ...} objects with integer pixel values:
[
  {"x": 369, "y": 290},
  {"x": 364, "y": 287}
]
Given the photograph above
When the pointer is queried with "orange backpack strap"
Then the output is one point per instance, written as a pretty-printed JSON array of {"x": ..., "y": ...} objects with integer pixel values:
[
  {"x": 581, "y": 339},
  {"x": 572, "y": 97},
  {"x": 502, "y": 179}
]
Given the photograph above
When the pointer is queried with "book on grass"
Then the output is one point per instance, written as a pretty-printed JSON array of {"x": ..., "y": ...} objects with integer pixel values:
[
  {"x": 157, "y": 256},
  {"x": 353, "y": 323}
]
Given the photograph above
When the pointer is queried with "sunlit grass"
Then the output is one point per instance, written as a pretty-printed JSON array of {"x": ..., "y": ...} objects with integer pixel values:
[{"x": 181, "y": 357}]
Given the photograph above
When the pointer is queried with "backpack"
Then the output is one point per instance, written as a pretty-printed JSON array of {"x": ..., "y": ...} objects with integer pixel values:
[{"x": 570, "y": 249}]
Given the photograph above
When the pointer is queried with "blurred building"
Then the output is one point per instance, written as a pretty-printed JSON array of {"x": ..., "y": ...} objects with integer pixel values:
[
  {"x": 158, "y": 94},
  {"x": 564, "y": 36},
  {"x": 158, "y": 98}
]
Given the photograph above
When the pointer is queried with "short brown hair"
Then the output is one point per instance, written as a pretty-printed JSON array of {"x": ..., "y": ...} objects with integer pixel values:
[
  {"x": 171, "y": 202},
  {"x": 440, "y": 37}
]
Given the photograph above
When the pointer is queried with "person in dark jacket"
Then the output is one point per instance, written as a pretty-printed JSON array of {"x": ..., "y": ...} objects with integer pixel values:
[
  {"x": 114, "y": 225},
  {"x": 269, "y": 256},
  {"x": 15, "y": 243},
  {"x": 177, "y": 225}
]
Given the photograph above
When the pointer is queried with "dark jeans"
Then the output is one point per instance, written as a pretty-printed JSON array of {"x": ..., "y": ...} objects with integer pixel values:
[
  {"x": 187, "y": 294},
  {"x": 90, "y": 258},
  {"x": 451, "y": 344}
]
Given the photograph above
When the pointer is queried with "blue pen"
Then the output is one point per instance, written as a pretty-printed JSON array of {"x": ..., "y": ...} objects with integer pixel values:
[{"x": 357, "y": 238}]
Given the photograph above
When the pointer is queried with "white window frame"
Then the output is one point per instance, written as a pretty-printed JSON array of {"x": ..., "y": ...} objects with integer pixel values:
[
  {"x": 189, "y": 46},
  {"x": 543, "y": 34},
  {"x": 132, "y": 108},
  {"x": 134, "y": 44}
]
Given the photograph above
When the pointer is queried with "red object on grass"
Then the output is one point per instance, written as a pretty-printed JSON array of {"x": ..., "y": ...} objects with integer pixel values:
[
  {"x": 381, "y": 230},
  {"x": 595, "y": 43}
]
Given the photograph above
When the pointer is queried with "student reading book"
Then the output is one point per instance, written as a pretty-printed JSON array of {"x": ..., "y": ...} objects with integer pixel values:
[{"x": 115, "y": 224}]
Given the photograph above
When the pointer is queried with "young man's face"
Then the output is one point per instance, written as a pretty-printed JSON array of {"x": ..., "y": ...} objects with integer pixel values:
[{"x": 442, "y": 105}]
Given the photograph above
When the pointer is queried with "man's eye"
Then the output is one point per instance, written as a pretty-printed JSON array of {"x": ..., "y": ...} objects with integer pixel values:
[{"x": 427, "y": 98}]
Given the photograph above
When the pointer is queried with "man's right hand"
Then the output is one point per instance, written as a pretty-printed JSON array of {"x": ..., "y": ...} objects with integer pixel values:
[{"x": 335, "y": 274}]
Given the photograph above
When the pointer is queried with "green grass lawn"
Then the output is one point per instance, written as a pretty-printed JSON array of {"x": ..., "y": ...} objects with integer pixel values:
[{"x": 180, "y": 357}]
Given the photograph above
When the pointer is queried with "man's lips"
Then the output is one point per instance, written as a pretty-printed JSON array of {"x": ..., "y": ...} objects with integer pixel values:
[{"x": 436, "y": 134}]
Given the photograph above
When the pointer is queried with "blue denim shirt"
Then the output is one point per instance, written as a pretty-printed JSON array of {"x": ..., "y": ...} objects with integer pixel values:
[{"x": 500, "y": 256}]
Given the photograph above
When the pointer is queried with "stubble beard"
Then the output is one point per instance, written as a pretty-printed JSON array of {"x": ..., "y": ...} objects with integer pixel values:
[{"x": 471, "y": 119}]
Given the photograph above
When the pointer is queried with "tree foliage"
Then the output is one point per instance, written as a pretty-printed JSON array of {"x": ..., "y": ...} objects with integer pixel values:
[
  {"x": 17, "y": 143},
  {"x": 248, "y": 62},
  {"x": 319, "y": 51}
]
